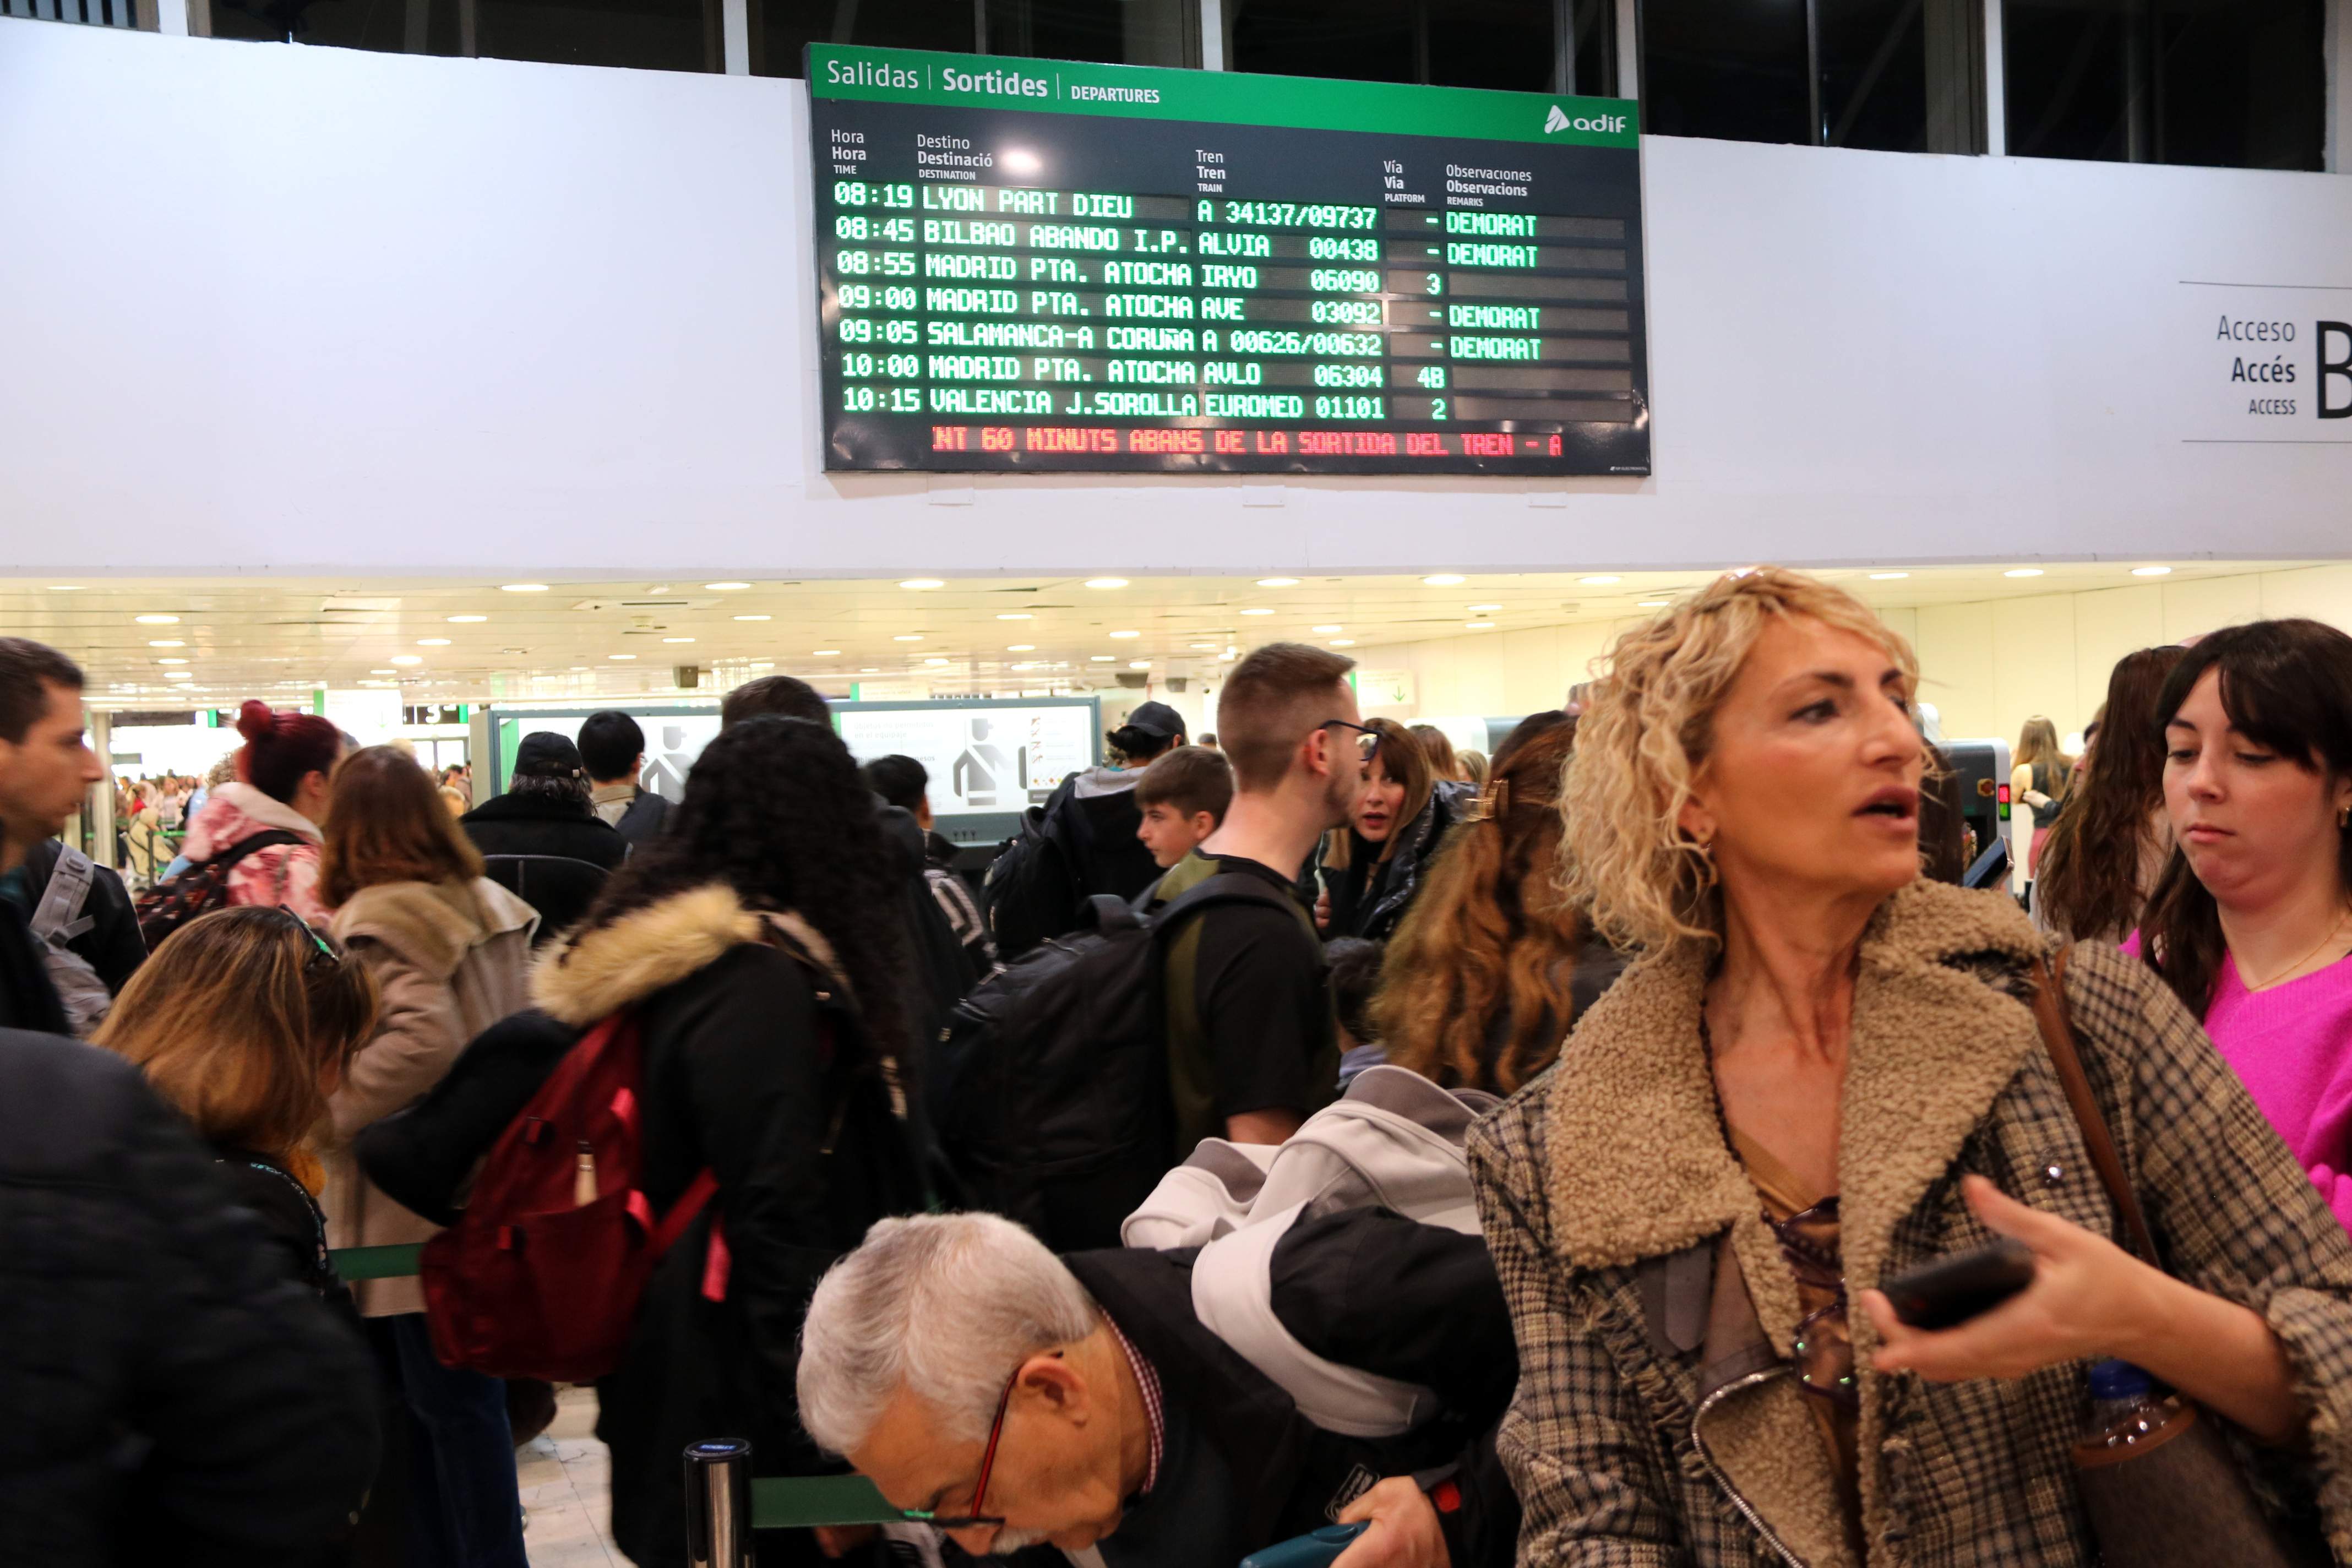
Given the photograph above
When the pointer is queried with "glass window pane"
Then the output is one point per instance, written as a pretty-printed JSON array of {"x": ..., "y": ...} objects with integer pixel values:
[
  {"x": 1873, "y": 62},
  {"x": 648, "y": 35},
  {"x": 1501, "y": 44},
  {"x": 2243, "y": 83},
  {"x": 2234, "y": 82},
  {"x": 1117, "y": 32},
  {"x": 781, "y": 28},
  {"x": 1731, "y": 69},
  {"x": 1364, "y": 40},
  {"x": 1596, "y": 48}
]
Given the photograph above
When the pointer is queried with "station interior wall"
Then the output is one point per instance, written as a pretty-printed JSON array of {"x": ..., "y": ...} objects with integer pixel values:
[
  {"x": 1987, "y": 665},
  {"x": 284, "y": 309}
]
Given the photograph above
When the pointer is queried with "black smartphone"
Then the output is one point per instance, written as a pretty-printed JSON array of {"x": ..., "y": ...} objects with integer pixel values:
[{"x": 1953, "y": 1289}]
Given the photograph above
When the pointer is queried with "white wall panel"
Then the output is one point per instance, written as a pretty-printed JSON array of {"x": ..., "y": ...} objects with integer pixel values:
[{"x": 335, "y": 310}]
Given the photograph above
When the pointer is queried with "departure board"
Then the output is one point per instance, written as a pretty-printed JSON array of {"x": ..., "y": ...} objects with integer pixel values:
[{"x": 1047, "y": 266}]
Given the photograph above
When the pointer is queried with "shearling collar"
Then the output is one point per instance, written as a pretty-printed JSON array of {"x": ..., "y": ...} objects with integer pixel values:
[
  {"x": 1639, "y": 1165},
  {"x": 599, "y": 971}
]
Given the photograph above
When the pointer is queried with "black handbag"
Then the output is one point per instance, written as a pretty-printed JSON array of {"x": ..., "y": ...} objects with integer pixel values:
[{"x": 2170, "y": 1495}]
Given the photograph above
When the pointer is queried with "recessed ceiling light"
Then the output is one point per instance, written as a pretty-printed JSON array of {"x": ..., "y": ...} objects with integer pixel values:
[
  {"x": 1331, "y": 628},
  {"x": 754, "y": 617},
  {"x": 1484, "y": 609},
  {"x": 1277, "y": 581},
  {"x": 1021, "y": 648},
  {"x": 824, "y": 653},
  {"x": 1343, "y": 642},
  {"x": 1138, "y": 664},
  {"x": 1257, "y": 610},
  {"x": 384, "y": 672},
  {"x": 179, "y": 675},
  {"x": 171, "y": 661},
  {"x": 678, "y": 639},
  {"x": 1888, "y": 576},
  {"x": 621, "y": 655},
  {"x": 467, "y": 620},
  {"x": 522, "y": 587},
  {"x": 1116, "y": 635},
  {"x": 1101, "y": 659},
  {"x": 869, "y": 670},
  {"x": 579, "y": 668},
  {"x": 934, "y": 663},
  {"x": 1601, "y": 581},
  {"x": 2022, "y": 572},
  {"x": 1477, "y": 626},
  {"x": 2151, "y": 570},
  {"x": 1651, "y": 604},
  {"x": 405, "y": 658},
  {"x": 920, "y": 583},
  {"x": 64, "y": 587},
  {"x": 1016, "y": 615},
  {"x": 1106, "y": 582},
  {"x": 431, "y": 642},
  {"x": 727, "y": 587},
  {"x": 1210, "y": 646},
  {"x": 1445, "y": 580},
  {"x": 157, "y": 620},
  {"x": 908, "y": 637},
  {"x": 167, "y": 642}
]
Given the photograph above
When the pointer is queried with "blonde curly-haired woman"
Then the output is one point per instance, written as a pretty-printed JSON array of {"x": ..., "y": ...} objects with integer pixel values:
[{"x": 1823, "y": 1071}]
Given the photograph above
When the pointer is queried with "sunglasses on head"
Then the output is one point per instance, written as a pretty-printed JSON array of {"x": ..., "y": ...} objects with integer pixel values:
[{"x": 323, "y": 955}]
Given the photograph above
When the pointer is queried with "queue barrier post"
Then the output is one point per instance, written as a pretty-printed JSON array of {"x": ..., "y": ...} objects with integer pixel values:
[{"x": 719, "y": 1504}]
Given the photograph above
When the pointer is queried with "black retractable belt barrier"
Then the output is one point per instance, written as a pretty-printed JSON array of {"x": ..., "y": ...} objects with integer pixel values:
[{"x": 719, "y": 1504}]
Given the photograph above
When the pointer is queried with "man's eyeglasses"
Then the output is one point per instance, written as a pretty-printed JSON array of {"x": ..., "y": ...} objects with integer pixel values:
[
  {"x": 975, "y": 1519},
  {"x": 1347, "y": 725},
  {"x": 323, "y": 955}
]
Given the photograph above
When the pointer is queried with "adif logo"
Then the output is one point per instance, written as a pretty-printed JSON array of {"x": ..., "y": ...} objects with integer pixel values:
[{"x": 1557, "y": 120}]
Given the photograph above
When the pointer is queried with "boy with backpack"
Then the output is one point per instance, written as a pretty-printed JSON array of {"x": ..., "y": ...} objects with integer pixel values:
[{"x": 1182, "y": 797}]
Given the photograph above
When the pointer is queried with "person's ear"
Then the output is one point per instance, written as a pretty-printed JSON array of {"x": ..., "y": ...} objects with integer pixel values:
[
  {"x": 1204, "y": 824},
  {"x": 1050, "y": 1384}
]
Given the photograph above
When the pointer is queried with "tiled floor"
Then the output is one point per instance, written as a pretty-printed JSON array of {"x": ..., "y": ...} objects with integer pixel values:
[{"x": 563, "y": 1477}]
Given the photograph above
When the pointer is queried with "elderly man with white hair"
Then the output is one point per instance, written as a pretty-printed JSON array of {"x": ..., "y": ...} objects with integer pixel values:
[{"x": 1014, "y": 1398}]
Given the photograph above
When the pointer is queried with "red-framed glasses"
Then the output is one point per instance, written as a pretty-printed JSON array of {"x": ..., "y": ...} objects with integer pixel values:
[{"x": 975, "y": 1519}]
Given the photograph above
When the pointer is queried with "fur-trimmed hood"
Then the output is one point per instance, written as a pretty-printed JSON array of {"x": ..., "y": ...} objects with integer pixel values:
[{"x": 595, "y": 973}]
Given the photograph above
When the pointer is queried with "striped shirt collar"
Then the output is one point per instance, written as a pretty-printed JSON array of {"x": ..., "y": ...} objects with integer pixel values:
[{"x": 1147, "y": 1380}]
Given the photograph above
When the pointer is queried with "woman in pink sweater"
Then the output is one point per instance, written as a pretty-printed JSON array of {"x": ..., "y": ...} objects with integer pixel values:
[{"x": 2251, "y": 924}]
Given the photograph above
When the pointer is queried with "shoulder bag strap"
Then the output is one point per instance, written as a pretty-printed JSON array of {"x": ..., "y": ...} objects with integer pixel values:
[{"x": 2058, "y": 1040}]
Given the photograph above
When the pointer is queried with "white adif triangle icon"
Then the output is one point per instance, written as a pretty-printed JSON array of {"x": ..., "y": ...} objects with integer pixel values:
[{"x": 1556, "y": 120}]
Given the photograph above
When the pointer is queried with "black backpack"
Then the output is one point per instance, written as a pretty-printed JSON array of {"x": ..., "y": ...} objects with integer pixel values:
[
  {"x": 1030, "y": 891},
  {"x": 1048, "y": 1090},
  {"x": 200, "y": 890}
]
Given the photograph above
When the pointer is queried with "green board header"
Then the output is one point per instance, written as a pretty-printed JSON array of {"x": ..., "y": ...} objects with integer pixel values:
[{"x": 1226, "y": 98}]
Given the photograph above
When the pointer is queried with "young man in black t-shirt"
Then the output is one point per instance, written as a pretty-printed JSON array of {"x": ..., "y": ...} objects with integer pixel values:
[{"x": 1252, "y": 1051}]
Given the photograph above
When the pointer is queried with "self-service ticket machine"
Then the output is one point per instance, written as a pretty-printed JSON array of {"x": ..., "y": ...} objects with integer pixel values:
[{"x": 1979, "y": 788}]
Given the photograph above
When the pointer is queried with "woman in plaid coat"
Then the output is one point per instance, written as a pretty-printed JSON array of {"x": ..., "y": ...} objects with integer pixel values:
[{"x": 1824, "y": 1072}]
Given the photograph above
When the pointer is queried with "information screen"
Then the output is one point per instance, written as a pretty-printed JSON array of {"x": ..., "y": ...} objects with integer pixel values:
[{"x": 1042, "y": 265}]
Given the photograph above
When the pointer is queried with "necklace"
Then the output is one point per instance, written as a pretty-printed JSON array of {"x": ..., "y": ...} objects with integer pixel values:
[{"x": 2325, "y": 936}]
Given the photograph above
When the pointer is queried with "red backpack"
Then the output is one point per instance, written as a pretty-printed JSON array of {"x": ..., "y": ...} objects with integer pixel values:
[{"x": 541, "y": 1274}]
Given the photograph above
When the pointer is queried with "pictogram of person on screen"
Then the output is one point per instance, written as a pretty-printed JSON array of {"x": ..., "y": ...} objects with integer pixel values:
[{"x": 987, "y": 769}]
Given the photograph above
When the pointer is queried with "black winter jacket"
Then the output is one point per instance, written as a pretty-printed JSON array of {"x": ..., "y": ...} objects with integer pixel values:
[
  {"x": 754, "y": 1068},
  {"x": 170, "y": 1395},
  {"x": 1366, "y": 1288},
  {"x": 1369, "y": 895},
  {"x": 519, "y": 823}
]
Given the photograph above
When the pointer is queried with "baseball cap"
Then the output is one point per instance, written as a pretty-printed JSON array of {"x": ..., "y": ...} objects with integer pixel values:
[
  {"x": 1155, "y": 719},
  {"x": 544, "y": 754}
]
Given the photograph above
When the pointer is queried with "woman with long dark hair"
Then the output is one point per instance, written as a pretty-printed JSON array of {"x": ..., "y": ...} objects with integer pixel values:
[
  {"x": 2251, "y": 923},
  {"x": 759, "y": 945},
  {"x": 1372, "y": 867},
  {"x": 2110, "y": 844},
  {"x": 1493, "y": 964}
]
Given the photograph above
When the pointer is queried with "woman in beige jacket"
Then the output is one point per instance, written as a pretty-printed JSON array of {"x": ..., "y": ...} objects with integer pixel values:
[
  {"x": 451, "y": 952},
  {"x": 1824, "y": 1071}
]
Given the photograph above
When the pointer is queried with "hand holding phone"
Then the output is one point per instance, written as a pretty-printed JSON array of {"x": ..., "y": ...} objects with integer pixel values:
[{"x": 1950, "y": 1291}]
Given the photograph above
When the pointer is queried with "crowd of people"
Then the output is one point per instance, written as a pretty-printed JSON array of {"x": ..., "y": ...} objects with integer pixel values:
[{"x": 1522, "y": 1146}]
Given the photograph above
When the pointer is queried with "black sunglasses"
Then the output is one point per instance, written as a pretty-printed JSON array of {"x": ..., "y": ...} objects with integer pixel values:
[
  {"x": 325, "y": 954},
  {"x": 1347, "y": 725}
]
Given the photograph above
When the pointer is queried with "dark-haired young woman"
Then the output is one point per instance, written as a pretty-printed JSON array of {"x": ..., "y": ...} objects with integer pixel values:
[
  {"x": 2108, "y": 847},
  {"x": 762, "y": 955},
  {"x": 281, "y": 787},
  {"x": 1373, "y": 866},
  {"x": 2252, "y": 922}
]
